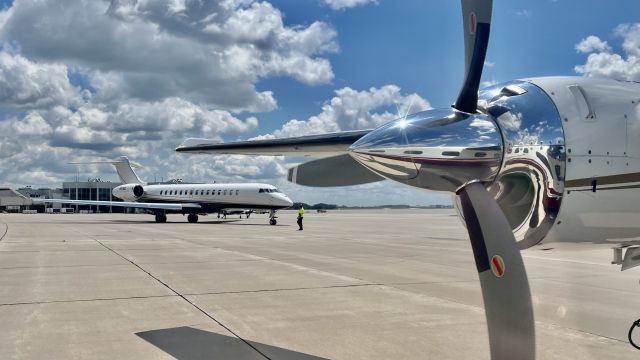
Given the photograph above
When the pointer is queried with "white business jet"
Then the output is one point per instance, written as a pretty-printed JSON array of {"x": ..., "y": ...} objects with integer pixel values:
[{"x": 191, "y": 199}]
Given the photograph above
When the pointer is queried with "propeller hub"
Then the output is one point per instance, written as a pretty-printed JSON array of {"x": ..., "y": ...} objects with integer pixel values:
[{"x": 439, "y": 150}]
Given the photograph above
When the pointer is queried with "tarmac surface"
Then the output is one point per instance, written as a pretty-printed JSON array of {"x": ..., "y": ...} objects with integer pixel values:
[{"x": 383, "y": 284}]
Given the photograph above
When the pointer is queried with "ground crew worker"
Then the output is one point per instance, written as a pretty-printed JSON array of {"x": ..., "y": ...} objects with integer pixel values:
[{"x": 300, "y": 216}]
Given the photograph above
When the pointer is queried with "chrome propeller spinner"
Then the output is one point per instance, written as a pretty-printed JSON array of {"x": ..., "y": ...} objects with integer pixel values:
[{"x": 438, "y": 150}]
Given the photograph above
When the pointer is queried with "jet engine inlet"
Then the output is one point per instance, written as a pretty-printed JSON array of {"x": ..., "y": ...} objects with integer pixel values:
[{"x": 138, "y": 191}]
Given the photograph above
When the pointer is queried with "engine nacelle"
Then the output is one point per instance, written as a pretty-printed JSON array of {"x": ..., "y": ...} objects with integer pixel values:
[
  {"x": 129, "y": 192},
  {"x": 570, "y": 169},
  {"x": 561, "y": 156}
]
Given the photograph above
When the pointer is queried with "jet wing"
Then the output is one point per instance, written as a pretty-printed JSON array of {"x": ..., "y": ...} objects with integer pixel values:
[
  {"x": 312, "y": 145},
  {"x": 139, "y": 205}
]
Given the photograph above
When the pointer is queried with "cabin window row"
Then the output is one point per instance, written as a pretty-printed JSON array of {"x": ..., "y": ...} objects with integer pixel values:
[{"x": 199, "y": 192}]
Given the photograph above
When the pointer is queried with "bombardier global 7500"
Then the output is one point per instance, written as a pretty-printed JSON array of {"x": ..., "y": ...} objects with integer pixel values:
[{"x": 190, "y": 199}]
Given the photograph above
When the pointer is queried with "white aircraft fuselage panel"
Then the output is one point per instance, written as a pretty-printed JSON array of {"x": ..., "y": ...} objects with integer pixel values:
[{"x": 602, "y": 184}]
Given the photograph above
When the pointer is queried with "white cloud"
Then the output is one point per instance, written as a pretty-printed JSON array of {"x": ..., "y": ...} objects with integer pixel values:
[
  {"x": 155, "y": 72},
  {"x": 26, "y": 84},
  {"x": 602, "y": 62},
  {"x": 591, "y": 44},
  {"x": 488, "y": 83},
  {"x": 344, "y": 4},
  {"x": 350, "y": 109},
  {"x": 151, "y": 73},
  {"x": 32, "y": 125},
  {"x": 211, "y": 52}
]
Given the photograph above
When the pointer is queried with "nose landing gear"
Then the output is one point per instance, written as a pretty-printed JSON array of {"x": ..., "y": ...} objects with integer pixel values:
[{"x": 272, "y": 217}]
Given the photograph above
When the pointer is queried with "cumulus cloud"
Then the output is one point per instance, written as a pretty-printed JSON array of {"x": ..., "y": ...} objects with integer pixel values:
[
  {"x": 603, "y": 62},
  {"x": 351, "y": 109},
  {"x": 153, "y": 73},
  {"x": 54, "y": 122},
  {"x": 344, "y": 4},
  {"x": 26, "y": 84},
  {"x": 96, "y": 80},
  {"x": 591, "y": 44},
  {"x": 204, "y": 51}
]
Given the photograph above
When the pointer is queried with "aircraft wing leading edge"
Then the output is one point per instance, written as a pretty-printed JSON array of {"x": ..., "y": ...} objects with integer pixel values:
[
  {"x": 139, "y": 205},
  {"x": 313, "y": 145}
]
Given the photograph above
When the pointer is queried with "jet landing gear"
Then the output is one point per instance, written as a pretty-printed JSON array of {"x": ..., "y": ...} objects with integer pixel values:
[
  {"x": 272, "y": 217},
  {"x": 192, "y": 218},
  {"x": 161, "y": 218}
]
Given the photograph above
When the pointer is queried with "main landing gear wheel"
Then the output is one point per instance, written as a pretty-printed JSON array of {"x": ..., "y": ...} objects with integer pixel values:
[
  {"x": 273, "y": 221},
  {"x": 161, "y": 218},
  {"x": 192, "y": 218}
]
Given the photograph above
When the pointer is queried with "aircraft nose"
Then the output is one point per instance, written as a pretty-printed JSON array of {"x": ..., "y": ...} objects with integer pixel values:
[
  {"x": 437, "y": 150},
  {"x": 281, "y": 200},
  {"x": 286, "y": 201}
]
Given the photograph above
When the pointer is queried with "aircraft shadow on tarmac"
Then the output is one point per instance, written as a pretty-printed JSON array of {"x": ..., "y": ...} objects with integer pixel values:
[
  {"x": 187, "y": 343},
  {"x": 135, "y": 221}
]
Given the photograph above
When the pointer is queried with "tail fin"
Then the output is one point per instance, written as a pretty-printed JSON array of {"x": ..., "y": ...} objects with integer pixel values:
[
  {"x": 125, "y": 171},
  {"x": 124, "y": 168}
]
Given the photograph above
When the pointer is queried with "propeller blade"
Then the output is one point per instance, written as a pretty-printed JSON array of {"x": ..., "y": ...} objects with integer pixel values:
[
  {"x": 341, "y": 170},
  {"x": 477, "y": 24},
  {"x": 503, "y": 278}
]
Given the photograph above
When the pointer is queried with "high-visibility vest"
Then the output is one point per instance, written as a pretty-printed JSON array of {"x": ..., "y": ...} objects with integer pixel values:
[{"x": 301, "y": 212}]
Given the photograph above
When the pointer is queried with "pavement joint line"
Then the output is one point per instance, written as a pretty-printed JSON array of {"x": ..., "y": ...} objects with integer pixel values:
[
  {"x": 45, "y": 251},
  {"x": 85, "y": 300},
  {"x": 60, "y": 266},
  {"x": 6, "y": 230},
  {"x": 181, "y": 296},
  {"x": 483, "y": 309},
  {"x": 624, "y": 341},
  {"x": 266, "y": 258},
  {"x": 550, "y": 279},
  {"x": 284, "y": 289}
]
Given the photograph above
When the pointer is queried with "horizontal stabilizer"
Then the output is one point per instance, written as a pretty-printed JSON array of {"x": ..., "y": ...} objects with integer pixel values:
[
  {"x": 139, "y": 205},
  {"x": 313, "y": 145},
  {"x": 341, "y": 170}
]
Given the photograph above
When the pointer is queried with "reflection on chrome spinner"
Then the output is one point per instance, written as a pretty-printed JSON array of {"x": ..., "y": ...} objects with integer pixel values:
[
  {"x": 439, "y": 150},
  {"x": 530, "y": 185},
  {"x": 515, "y": 145}
]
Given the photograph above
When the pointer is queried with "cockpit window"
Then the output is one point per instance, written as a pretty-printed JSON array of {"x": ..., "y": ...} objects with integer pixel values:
[{"x": 261, "y": 190}]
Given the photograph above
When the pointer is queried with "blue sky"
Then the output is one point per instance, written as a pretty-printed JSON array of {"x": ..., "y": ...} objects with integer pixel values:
[
  {"x": 99, "y": 79},
  {"x": 418, "y": 46}
]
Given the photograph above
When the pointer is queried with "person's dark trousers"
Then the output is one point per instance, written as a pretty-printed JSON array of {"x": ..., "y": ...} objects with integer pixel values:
[{"x": 300, "y": 222}]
